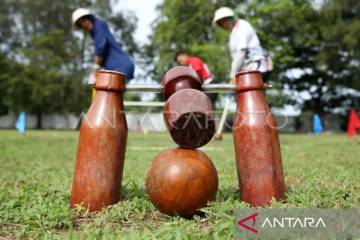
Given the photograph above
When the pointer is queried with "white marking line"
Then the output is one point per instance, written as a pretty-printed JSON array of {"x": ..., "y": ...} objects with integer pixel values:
[{"x": 163, "y": 148}]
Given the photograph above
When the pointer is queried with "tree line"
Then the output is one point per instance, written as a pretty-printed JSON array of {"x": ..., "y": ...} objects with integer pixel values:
[
  {"x": 315, "y": 46},
  {"x": 44, "y": 64}
]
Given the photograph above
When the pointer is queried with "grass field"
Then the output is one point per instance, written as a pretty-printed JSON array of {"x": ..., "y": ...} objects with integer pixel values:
[{"x": 36, "y": 172}]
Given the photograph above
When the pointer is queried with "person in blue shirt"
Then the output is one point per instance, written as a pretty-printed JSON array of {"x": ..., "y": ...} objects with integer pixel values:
[{"x": 108, "y": 53}]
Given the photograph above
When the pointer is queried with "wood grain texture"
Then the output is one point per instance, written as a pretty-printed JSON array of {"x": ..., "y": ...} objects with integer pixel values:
[
  {"x": 102, "y": 145},
  {"x": 181, "y": 181},
  {"x": 256, "y": 141}
]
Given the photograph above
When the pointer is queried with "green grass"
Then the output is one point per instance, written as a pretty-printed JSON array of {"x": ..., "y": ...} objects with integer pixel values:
[{"x": 36, "y": 172}]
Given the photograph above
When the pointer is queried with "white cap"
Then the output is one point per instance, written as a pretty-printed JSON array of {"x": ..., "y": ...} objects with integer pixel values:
[
  {"x": 79, "y": 13},
  {"x": 222, "y": 12}
]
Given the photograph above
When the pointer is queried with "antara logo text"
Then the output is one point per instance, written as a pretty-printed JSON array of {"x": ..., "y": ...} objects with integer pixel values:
[{"x": 282, "y": 222}]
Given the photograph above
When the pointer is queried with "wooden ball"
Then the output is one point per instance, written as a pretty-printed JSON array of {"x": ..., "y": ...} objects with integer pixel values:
[
  {"x": 179, "y": 78},
  {"x": 189, "y": 117},
  {"x": 181, "y": 181}
]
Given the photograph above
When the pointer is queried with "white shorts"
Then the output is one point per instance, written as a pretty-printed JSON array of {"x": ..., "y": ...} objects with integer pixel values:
[{"x": 261, "y": 65}]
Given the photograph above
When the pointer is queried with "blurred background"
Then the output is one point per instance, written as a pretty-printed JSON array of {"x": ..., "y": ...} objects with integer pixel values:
[{"x": 45, "y": 65}]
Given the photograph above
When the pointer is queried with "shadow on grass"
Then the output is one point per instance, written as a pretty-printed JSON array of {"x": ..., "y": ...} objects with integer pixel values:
[
  {"x": 132, "y": 190},
  {"x": 234, "y": 193},
  {"x": 226, "y": 193}
]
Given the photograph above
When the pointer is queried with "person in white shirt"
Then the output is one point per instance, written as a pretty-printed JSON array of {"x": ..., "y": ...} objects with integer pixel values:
[{"x": 246, "y": 51}]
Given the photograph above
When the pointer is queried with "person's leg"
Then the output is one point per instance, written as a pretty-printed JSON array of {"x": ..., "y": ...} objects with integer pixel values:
[
  {"x": 212, "y": 96},
  {"x": 261, "y": 66},
  {"x": 130, "y": 73},
  {"x": 265, "y": 76},
  {"x": 127, "y": 68}
]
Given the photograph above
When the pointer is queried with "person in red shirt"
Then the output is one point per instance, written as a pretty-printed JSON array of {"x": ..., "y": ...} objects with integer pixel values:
[{"x": 200, "y": 68}]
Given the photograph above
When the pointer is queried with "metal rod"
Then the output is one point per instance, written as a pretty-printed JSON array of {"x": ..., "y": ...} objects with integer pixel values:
[
  {"x": 137, "y": 88},
  {"x": 158, "y": 88},
  {"x": 144, "y": 104},
  {"x": 220, "y": 88}
]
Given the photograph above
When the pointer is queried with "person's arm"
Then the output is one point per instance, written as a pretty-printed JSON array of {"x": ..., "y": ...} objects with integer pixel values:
[
  {"x": 96, "y": 67},
  {"x": 100, "y": 45},
  {"x": 197, "y": 69},
  {"x": 237, "y": 64},
  {"x": 198, "y": 72},
  {"x": 241, "y": 35},
  {"x": 196, "y": 65}
]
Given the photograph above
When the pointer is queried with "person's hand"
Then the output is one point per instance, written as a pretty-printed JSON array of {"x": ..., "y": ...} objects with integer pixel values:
[
  {"x": 95, "y": 73},
  {"x": 232, "y": 81},
  {"x": 94, "y": 76}
]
